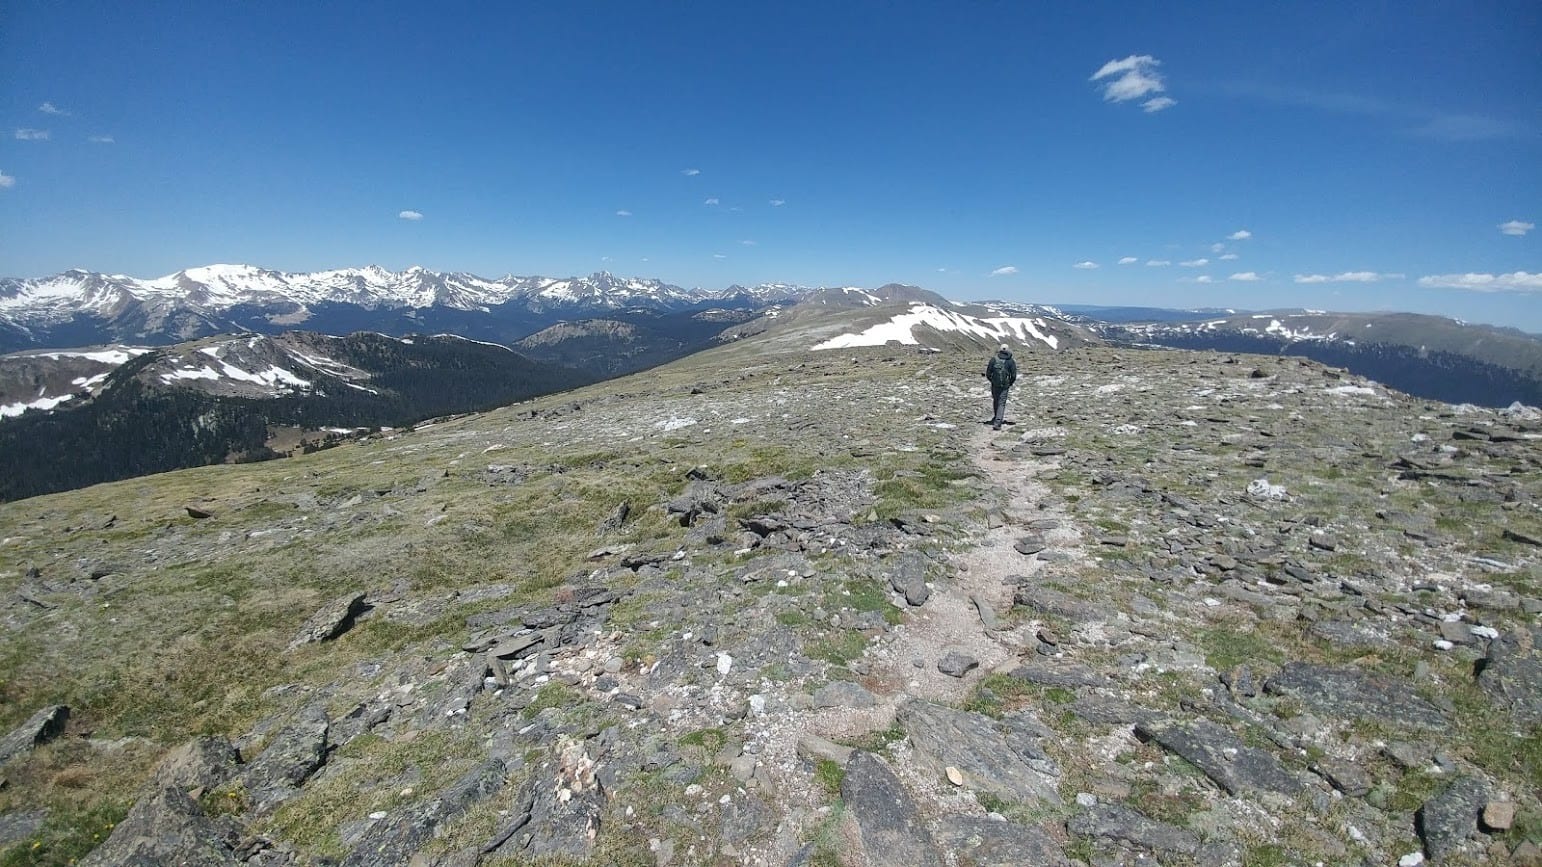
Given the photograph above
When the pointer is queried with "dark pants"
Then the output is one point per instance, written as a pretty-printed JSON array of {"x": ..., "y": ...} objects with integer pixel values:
[{"x": 999, "y": 403}]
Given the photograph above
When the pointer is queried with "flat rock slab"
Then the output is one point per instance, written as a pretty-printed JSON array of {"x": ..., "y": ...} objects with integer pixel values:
[
  {"x": 1113, "y": 822},
  {"x": 1067, "y": 674},
  {"x": 42, "y": 726},
  {"x": 396, "y": 838},
  {"x": 988, "y": 753},
  {"x": 1058, "y": 603},
  {"x": 1348, "y": 692},
  {"x": 21, "y": 824},
  {"x": 844, "y": 693},
  {"x": 1451, "y": 816},
  {"x": 1222, "y": 756},
  {"x": 893, "y": 834},
  {"x": 957, "y": 663},
  {"x": 331, "y": 620},
  {"x": 295, "y": 754},
  {"x": 166, "y": 826},
  {"x": 981, "y": 842},
  {"x": 1511, "y": 674}
]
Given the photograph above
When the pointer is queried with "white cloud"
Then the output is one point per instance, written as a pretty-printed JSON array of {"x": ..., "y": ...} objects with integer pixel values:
[
  {"x": 1217, "y": 247},
  {"x": 1245, "y": 277},
  {"x": 1227, "y": 257},
  {"x": 1195, "y": 263},
  {"x": 32, "y": 135},
  {"x": 1516, "y": 227},
  {"x": 1203, "y": 278},
  {"x": 711, "y": 200},
  {"x": 1004, "y": 270},
  {"x": 1158, "y": 263},
  {"x": 1086, "y": 265},
  {"x": 1239, "y": 235},
  {"x": 777, "y": 203},
  {"x": 1132, "y": 78},
  {"x": 1347, "y": 277},
  {"x": 1519, "y": 281},
  {"x": 747, "y": 243},
  {"x": 1151, "y": 106},
  {"x": 719, "y": 256},
  {"x": 410, "y": 215},
  {"x": 50, "y": 108},
  {"x": 690, "y": 173},
  {"x": 623, "y": 213},
  {"x": 101, "y": 139},
  {"x": 7, "y": 181},
  {"x": 1128, "y": 260}
]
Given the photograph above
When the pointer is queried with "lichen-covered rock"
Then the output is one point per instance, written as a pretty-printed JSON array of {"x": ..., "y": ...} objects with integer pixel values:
[
  {"x": 893, "y": 834},
  {"x": 980, "y": 748}
]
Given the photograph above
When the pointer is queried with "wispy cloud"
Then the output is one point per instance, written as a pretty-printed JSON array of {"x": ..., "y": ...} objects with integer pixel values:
[
  {"x": 1004, "y": 270},
  {"x": 1152, "y": 106},
  {"x": 1195, "y": 263},
  {"x": 101, "y": 139},
  {"x": 1158, "y": 263},
  {"x": 719, "y": 256},
  {"x": 690, "y": 173},
  {"x": 1516, "y": 227},
  {"x": 1203, "y": 278},
  {"x": 1239, "y": 235},
  {"x": 711, "y": 200},
  {"x": 748, "y": 243},
  {"x": 1519, "y": 281},
  {"x": 1245, "y": 277},
  {"x": 1227, "y": 257},
  {"x": 410, "y": 215},
  {"x": 32, "y": 135},
  {"x": 777, "y": 203},
  {"x": 1128, "y": 260},
  {"x": 623, "y": 213},
  {"x": 1134, "y": 77},
  {"x": 7, "y": 181},
  {"x": 1416, "y": 120},
  {"x": 1347, "y": 277},
  {"x": 50, "y": 108},
  {"x": 1087, "y": 265},
  {"x": 1217, "y": 247}
]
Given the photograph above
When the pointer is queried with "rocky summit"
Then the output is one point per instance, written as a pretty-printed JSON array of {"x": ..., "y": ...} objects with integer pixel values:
[{"x": 768, "y": 605}]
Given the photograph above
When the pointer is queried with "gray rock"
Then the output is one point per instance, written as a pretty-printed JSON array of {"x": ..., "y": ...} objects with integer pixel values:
[
  {"x": 331, "y": 620},
  {"x": 982, "y": 842},
  {"x": 558, "y": 814},
  {"x": 296, "y": 753},
  {"x": 1345, "y": 776},
  {"x": 1029, "y": 545},
  {"x": 844, "y": 693},
  {"x": 893, "y": 834},
  {"x": 19, "y": 825},
  {"x": 39, "y": 729},
  {"x": 1348, "y": 692},
  {"x": 815, "y": 748},
  {"x": 979, "y": 747},
  {"x": 1067, "y": 674},
  {"x": 743, "y": 818},
  {"x": 907, "y": 575},
  {"x": 987, "y": 613},
  {"x": 396, "y": 838},
  {"x": 1511, "y": 674},
  {"x": 1451, "y": 816},
  {"x": 615, "y": 520},
  {"x": 1109, "y": 711},
  {"x": 1051, "y": 601},
  {"x": 957, "y": 664},
  {"x": 1222, "y": 756},
  {"x": 1114, "y": 822},
  {"x": 166, "y": 825}
]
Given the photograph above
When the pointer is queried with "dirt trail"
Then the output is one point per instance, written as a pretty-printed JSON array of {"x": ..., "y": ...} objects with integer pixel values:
[{"x": 903, "y": 664}]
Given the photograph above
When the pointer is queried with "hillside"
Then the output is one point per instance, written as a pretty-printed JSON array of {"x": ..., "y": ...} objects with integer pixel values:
[
  {"x": 772, "y": 605},
  {"x": 1430, "y": 356},
  {"x": 89, "y": 416}
]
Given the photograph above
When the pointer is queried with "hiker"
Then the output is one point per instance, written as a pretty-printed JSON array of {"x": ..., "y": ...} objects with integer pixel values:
[{"x": 1002, "y": 372}]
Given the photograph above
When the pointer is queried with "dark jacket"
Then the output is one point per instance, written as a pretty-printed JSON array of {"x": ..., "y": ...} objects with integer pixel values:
[{"x": 1002, "y": 369}]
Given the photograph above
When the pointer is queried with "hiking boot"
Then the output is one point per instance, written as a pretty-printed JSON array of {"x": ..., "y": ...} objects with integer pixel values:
[{"x": 996, "y": 425}]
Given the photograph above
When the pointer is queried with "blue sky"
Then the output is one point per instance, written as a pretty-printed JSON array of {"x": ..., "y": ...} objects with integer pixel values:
[{"x": 1386, "y": 156}]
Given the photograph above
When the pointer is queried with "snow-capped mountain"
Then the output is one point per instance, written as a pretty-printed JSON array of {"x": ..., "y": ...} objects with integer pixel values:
[{"x": 80, "y": 307}]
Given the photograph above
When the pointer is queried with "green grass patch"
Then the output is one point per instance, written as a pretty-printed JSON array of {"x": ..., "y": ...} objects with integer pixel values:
[
  {"x": 844, "y": 646},
  {"x": 66, "y": 836},
  {"x": 829, "y": 775},
  {"x": 1227, "y": 647}
]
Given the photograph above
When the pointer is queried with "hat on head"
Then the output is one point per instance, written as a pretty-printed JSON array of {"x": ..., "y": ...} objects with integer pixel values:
[{"x": 1003, "y": 348}]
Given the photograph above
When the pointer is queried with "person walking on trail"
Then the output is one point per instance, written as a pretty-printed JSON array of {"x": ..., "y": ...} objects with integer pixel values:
[{"x": 1002, "y": 372}]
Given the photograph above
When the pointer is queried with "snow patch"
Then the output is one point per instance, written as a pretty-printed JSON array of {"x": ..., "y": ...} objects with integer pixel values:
[
  {"x": 11, "y": 410},
  {"x": 900, "y": 329}
]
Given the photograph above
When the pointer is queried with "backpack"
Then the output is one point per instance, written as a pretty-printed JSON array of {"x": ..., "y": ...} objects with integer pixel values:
[{"x": 1001, "y": 371}]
